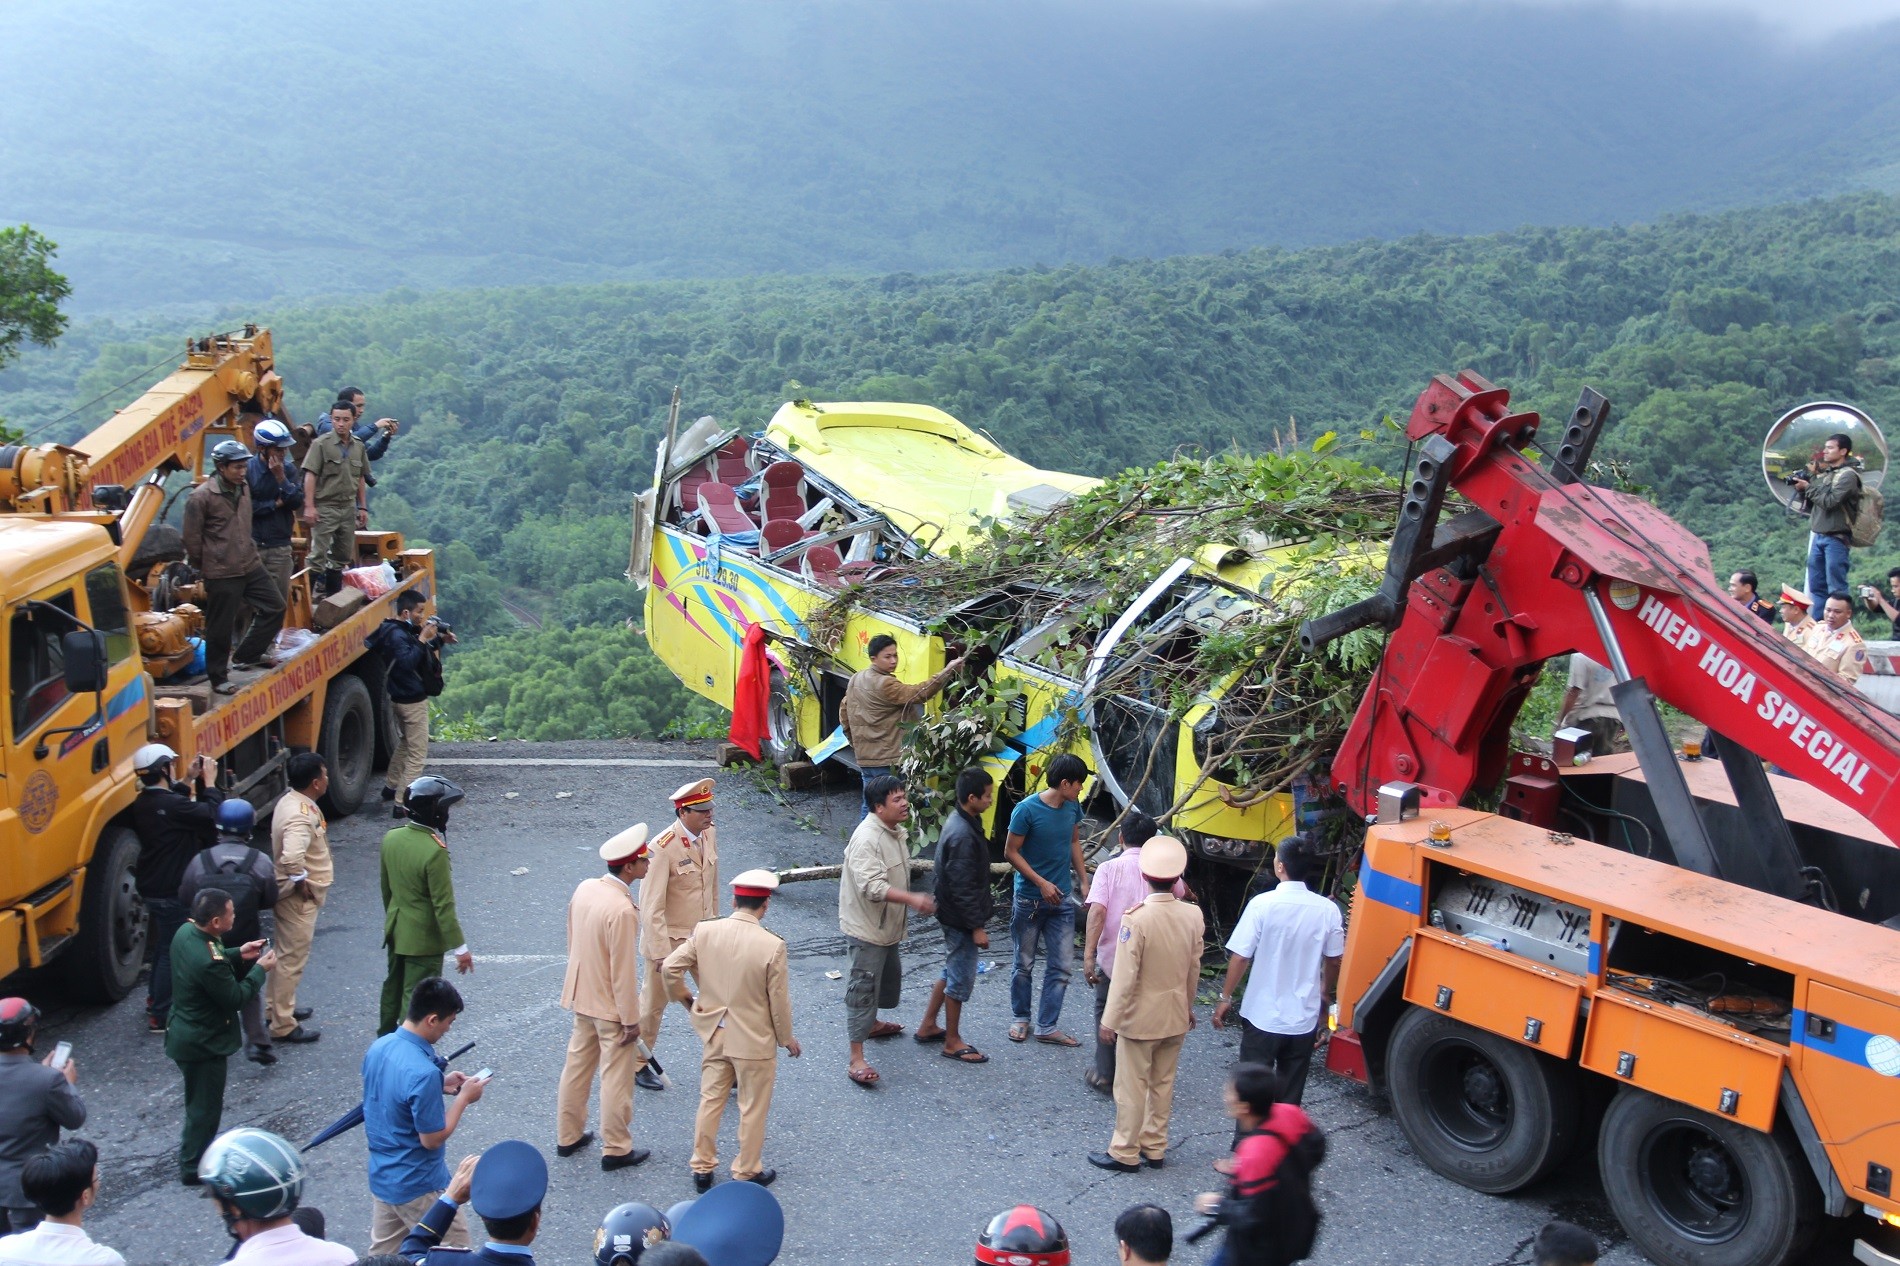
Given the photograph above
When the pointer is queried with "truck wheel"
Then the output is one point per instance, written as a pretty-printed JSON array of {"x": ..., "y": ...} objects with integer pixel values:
[
  {"x": 102, "y": 962},
  {"x": 162, "y": 543},
  {"x": 781, "y": 723},
  {"x": 1694, "y": 1190},
  {"x": 347, "y": 744},
  {"x": 1480, "y": 1109}
]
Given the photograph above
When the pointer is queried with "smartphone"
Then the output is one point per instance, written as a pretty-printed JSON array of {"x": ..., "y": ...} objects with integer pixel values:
[
  {"x": 484, "y": 1074},
  {"x": 61, "y": 1053},
  {"x": 269, "y": 944}
]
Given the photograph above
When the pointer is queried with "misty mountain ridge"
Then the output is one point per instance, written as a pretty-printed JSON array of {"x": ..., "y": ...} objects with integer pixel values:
[{"x": 358, "y": 147}]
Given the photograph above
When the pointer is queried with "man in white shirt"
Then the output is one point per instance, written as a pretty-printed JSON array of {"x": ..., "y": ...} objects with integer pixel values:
[
  {"x": 256, "y": 1178},
  {"x": 63, "y": 1181},
  {"x": 1293, "y": 939}
]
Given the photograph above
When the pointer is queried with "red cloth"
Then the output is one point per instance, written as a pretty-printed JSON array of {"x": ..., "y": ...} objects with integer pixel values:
[{"x": 750, "y": 692}]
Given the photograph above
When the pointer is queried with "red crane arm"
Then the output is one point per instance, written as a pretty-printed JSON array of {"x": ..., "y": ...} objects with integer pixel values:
[{"x": 1472, "y": 639}]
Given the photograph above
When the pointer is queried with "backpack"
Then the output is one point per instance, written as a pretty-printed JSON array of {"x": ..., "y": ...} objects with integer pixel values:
[
  {"x": 229, "y": 868},
  {"x": 1280, "y": 1224},
  {"x": 431, "y": 673},
  {"x": 1870, "y": 509}
]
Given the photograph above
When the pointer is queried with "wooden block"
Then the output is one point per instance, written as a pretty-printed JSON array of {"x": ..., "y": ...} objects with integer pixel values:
[
  {"x": 797, "y": 775},
  {"x": 337, "y": 608},
  {"x": 731, "y": 754}
]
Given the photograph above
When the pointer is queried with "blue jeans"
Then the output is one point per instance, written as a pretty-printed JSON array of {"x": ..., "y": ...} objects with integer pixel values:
[
  {"x": 1033, "y": 920},
  {"x": 867, "y": 773},
  {"x": 1827, "y": 569},
  {"x": 959, "y": 963}
]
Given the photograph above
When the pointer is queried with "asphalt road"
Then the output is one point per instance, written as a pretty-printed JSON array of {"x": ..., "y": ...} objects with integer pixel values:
[{"x": 905, "y": 1173}]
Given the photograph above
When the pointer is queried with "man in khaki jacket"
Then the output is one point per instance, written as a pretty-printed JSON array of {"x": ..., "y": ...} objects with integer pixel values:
[
  {"x": 602, "y": 990},
  {"x": 743, "y": 1014},
  {"x": 876, "y": 705},
  {"x": 680, "y": 892},
  {"x": 873, "y": 896},
  {"x": 300, "y": 843},
  {"x": 1150, "y": 1009}
]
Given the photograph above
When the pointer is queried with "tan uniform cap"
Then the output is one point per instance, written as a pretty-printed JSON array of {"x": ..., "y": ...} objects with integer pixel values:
[
  {"x": 697, "y": 792},
  {"x": 755, "y": 883},
  {"x": 1163, "y": 857},
  {"x": 626, "y": 846}
]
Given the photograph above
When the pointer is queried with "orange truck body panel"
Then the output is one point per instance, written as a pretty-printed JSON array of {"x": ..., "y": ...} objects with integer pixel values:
[{"x": 1843, "y": 1052}]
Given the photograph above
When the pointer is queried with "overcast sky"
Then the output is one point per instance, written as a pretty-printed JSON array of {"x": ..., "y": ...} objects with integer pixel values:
[{"x": 1805, "y": 18}]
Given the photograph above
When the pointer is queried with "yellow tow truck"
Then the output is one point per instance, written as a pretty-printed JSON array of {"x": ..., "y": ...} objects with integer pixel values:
[{"x": 97, "y": 615}]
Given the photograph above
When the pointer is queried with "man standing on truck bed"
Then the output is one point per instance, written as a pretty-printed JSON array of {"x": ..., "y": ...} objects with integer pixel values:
[
  {"x": 276, "y": 496},
  {"x": 875, "y": 707},
  {"x": 335, "y": 498},
  {"x": 173, "y": 823},
  {"x": 217, "y": 532}
]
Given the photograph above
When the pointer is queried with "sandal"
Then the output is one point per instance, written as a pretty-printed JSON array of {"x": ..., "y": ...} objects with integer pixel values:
[
  {"x": 1019, "y": 1031},
  {"x": 866, "y": 1076},
  {"x": 923, "y": 1038},
  {"x": 1057, "y": 1038},
  {"x": 225, "y": 688},
  {"x": 883, "y": 1029},
  {"x": 966, "y": 1055}
]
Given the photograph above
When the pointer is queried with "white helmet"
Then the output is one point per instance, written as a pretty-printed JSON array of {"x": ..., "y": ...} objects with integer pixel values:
[
  {"x": 151, "y": 754},
  {"x": 270, "y": 433}
]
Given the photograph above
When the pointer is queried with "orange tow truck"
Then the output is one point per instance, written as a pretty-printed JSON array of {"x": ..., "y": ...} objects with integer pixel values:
[
  {"x": 1699, "y": 960},
  {"x": 97, "y": 613}
]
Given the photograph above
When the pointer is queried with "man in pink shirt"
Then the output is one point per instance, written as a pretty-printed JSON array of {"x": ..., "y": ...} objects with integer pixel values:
[{"x": 1117, "y": 888}]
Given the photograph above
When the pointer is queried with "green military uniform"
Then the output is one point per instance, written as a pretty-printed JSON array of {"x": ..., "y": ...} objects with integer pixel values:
[
  {"x": 419, "y": 923},
  {"x": 203, "y": 1032},
  {"x": 339, "y": 469}
]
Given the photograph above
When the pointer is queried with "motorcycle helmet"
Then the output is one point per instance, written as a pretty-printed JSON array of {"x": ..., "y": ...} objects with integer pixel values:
[
  {"x": 229, "y": 451},
  {"x": 429, "y": 800},
  {"x": 1023, "y": 1236},
  {"x": 255, "y": 1170},
  {"x": 270, "y": 433},
  {"x": 627, "y": 1232},
  {"x": 236, "y": 818},
  {"x": 18, "y": 1019}
]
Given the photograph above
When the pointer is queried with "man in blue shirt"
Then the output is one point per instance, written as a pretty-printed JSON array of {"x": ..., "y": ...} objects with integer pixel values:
[
  {"x": 276, "y": 496},
  {"x": 505, "y": 1186},
  {"x": 405, "y": 1121},
  {"x": 375, "y": 435},
  {"x": 1045, "y": 847}
]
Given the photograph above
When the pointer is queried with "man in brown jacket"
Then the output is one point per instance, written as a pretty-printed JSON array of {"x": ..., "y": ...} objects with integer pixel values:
[
  {"x": 873, "y": 896},
  {"x": 1150, "y": 1009},
  {"x": 681, "y": 891},
  {"x": 300, "y": 843},
  {"x": 743, "y": 1014},
  {"x": 602, "y": 990},
  {"x": 218, "y": 544},
  {"x": 876, "y": 705}
]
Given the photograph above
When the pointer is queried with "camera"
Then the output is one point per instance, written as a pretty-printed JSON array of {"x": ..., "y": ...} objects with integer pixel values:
[{"x": 441, "y": 625}]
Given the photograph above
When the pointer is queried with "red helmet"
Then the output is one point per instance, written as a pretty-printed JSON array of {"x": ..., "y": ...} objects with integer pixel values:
[
  {"x": 18, "y": 1019},
  {"x": 1023, "y": 1236}
]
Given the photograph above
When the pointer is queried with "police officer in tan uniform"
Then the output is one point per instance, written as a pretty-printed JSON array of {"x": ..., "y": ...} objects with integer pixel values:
[
  {"x": 743, "y": 1014},
  {"x": 680, "y": 891},
  {"x": 1836, "y": 643},
  {"x": 1796, "y": 624},
  {"x": 300, "y": 843},
  {"x": 602, "y": 989},
  {"x": 1150, "y": 1009}
]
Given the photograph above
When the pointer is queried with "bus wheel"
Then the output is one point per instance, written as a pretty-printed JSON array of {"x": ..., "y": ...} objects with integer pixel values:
[
  {"x": 347, "y": 744},
  {"x": 1480, "y": 1109},
  {"x": 1694, "y": 1190},
  {"x": 781, "y": 723},
  {"x": 102, "y": 964}
]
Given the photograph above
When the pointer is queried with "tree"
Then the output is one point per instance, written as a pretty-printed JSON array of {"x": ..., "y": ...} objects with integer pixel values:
[{"x": 30, "y": 294}]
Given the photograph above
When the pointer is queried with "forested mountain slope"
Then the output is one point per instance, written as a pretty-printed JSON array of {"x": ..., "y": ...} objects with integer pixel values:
[
  {"x": 230, "y": 154},
  {"x": 532, "y": 413}
]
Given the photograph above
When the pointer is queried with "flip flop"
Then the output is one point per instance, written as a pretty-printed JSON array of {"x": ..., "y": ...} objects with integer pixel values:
[
  {"x": 866, "y": 1077},
  {"x": 225, "y": 688},
  {"x": 1057, "y": 1038},
  {"x": 883, "y": 1029},
  {"x": 1019, "y": 1031},
  {"x": 922, "y": 1038},
  {"x": 968, "y": 1055}
]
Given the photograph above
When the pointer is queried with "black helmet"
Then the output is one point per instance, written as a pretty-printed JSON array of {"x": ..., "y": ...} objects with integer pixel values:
[
  {"x": 255, "y": 1170},
  {"x": 429, "y": 799},
  {"x": 229, "y": 451},
  {"x": 1023, "y": 1236},
  {"x": 18, "y": 1019},
  {"x": 627, "y": 1232}
]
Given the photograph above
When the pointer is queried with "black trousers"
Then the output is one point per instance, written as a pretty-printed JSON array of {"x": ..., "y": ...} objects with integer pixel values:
[
  {"x": 1288, "y": 1056},
  {"x": 222, "y": 600}
]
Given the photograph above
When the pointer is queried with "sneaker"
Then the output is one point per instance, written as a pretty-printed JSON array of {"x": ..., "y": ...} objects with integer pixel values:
[{"x": 154, "y": 1025}]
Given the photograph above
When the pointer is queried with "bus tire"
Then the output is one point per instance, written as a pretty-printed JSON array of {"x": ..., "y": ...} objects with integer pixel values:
[
  {"x": 1695, "y": 1190},
  {"x": 781, "y": 723},
  {"x": 347, "y": 744},
  {"x": 102, "y": 962},
  {"x": 1480, "y": 1109}
]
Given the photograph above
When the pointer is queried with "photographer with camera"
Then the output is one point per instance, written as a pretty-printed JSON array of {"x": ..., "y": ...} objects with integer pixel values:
[
  {"x": 1831, "y": 488},
  {"x": 412, "y": 647},
  {"x": 1887, "y": 604},
  {"x": 375, "y": 435},
  {"x": 174, "y": 821}
]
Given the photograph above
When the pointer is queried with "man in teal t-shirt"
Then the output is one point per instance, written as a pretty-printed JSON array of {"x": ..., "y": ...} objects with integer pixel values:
[{"x": 1045, "y": 847}]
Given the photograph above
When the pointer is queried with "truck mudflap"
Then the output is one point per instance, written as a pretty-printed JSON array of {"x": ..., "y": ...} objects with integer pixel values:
[{"x": 1834, "y": 1201}]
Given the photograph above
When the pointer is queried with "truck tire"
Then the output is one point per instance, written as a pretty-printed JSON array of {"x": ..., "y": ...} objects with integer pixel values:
[
  {"x": 1695, "y": 1190},
  {"x": 162, "y": 543},
  {"x": 101, "y": 963},
  {"x": 781, "y": 723},
  {"x": 1478, "y": 1108},
  {"x": 347, "y": 744}
]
